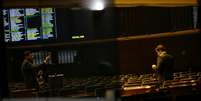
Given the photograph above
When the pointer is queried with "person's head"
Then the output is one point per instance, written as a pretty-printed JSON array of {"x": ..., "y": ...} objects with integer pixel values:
[
  {"x": 28, "y": 55},
  {"x": 160, "y": 49}
]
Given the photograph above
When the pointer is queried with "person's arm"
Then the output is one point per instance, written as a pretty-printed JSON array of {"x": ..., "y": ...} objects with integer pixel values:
[
  {"x": 46, "y": 60},
  {"x": 34, "y": 66},
  {"x": 156, "y": 66}
]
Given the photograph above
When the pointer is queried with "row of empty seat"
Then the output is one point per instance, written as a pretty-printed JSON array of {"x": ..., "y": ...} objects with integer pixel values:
[{"x": 127, "y": 84}]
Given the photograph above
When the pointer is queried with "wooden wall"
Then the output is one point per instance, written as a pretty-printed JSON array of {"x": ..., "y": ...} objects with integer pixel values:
[{"x": 137, "y": 56}]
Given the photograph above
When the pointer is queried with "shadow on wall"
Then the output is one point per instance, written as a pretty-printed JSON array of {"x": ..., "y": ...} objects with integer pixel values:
[{"x": 106, "y": 68}]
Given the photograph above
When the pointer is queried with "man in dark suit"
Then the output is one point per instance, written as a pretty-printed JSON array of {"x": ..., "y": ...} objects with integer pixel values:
[
  {"x": 165, "y": 64},
  {"x": 29, "y": 70}
]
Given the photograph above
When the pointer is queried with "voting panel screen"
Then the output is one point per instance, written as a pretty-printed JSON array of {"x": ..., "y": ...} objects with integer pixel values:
[{"x": 26, "y": 24}]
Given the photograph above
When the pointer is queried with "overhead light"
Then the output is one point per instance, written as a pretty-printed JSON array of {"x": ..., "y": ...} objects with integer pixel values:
[
  {"x": 94, "y": 4},
  {"x": 97, "y": 5}
]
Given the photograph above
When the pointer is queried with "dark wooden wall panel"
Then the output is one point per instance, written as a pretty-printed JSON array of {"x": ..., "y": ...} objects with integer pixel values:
[{"x": 149, "y": 20}]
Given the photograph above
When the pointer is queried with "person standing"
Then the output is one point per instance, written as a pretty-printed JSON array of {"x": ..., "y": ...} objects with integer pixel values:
[
  {"x": 29, "y": 70},
  {"x": 164, "y": 65}
]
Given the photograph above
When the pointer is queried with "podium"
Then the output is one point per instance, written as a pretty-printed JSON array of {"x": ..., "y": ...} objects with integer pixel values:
[{"x": 55, "y": 83}]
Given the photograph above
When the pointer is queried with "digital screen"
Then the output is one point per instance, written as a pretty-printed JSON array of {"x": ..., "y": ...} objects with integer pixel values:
[{"x": 25, "y": 24}]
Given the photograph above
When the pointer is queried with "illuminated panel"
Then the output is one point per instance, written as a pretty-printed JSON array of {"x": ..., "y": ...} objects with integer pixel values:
[
  {"x": 24, "y": 24},
  {"x": 67, "y": 56},
  {"x": 6, "y": 26},
  {"x": 39, "y": 56},
  {"x": 47, "y": 15},
  {"x": 31, "y": 11},
  {"x": 32, "y": 34},
  {"x": 17, "y": 24},
  {"x": 33, "y": 21}
]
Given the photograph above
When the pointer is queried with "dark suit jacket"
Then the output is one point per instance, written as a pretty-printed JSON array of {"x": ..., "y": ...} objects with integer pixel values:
[
  {"x": 28, "y": 70},
  {"x": 165, "y": 66}
]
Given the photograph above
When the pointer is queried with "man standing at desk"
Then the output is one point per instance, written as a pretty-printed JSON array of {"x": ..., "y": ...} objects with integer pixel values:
[
  {"x": 29, "y": 70},
  {"x": 165, "y": 64}
]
